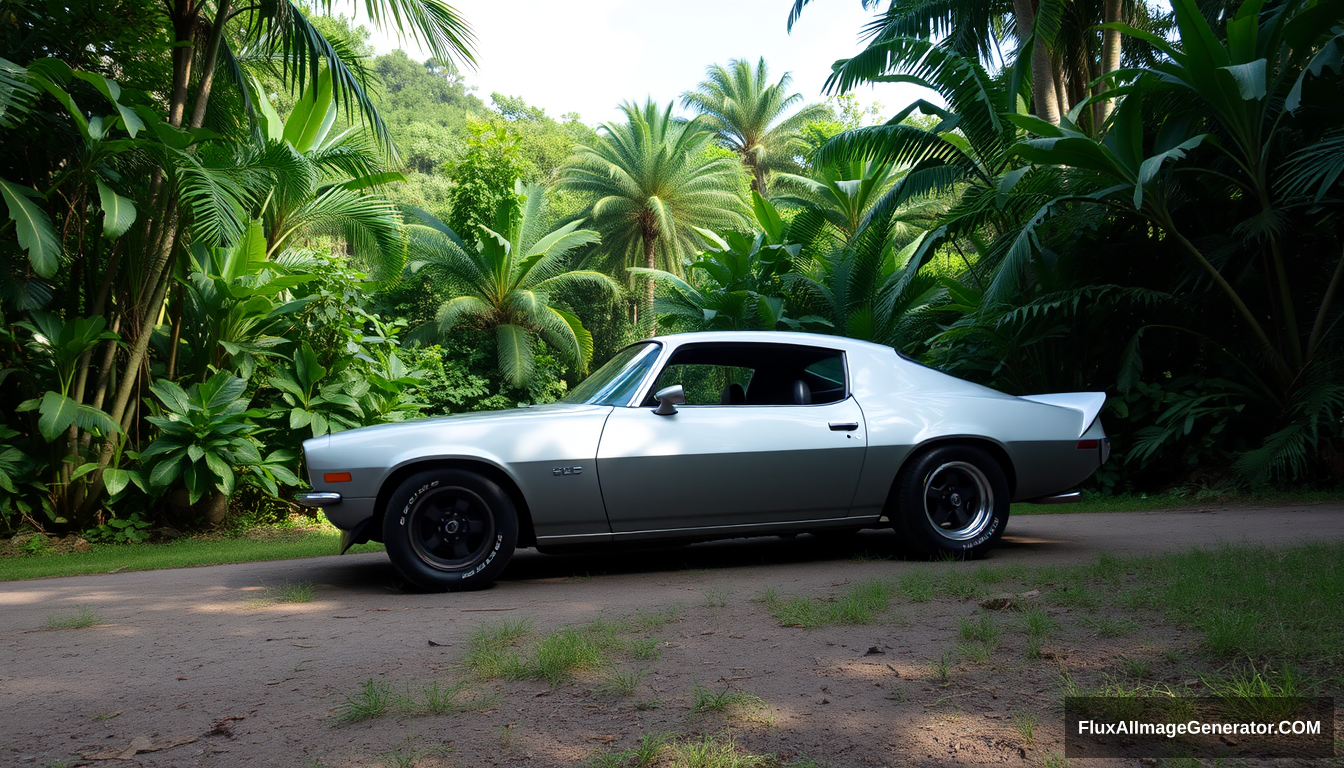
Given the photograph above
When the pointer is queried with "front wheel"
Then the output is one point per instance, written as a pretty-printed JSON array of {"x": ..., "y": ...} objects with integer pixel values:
[
  {"x": 449, "y": 529},
  {"x": 953, "y": 501}
]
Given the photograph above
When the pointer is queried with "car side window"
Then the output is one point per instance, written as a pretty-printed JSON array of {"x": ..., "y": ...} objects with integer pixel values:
[
  {"x": 754, "y": 374},
  {"x": 707, "y": 384}
]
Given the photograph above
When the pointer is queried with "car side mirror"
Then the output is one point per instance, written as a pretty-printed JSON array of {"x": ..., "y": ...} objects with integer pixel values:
[{"x": 669, "y": 398}]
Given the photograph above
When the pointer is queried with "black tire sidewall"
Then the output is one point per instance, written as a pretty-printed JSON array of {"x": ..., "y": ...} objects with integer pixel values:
[
  {"x": 919, "y": 532},
  {"x": 479, "y": 573}
]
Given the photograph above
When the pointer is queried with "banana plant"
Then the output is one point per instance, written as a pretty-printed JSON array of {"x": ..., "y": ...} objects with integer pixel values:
[
  {"x": 62, "y": 343},
  {"x": 329, "y": 187},
  {"x": 236, "y": 306}
]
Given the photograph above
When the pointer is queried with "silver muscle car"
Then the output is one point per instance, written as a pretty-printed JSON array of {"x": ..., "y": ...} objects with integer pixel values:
[{"x": 702, "y": 436}]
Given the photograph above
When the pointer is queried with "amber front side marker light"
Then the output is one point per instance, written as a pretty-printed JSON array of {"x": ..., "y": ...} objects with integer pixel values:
[{"x": 336, "y": 477}]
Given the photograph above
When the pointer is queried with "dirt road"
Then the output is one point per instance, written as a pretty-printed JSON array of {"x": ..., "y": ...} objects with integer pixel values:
[{"x": 190, "y": 664}]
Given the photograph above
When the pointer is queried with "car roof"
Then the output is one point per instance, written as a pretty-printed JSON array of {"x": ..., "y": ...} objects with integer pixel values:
[{"x": 773, "y": 337}]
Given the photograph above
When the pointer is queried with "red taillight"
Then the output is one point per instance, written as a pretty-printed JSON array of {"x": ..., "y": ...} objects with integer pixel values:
[
  {"x": 1087, "y": 445},
  {"x": 344, "y": 477}
]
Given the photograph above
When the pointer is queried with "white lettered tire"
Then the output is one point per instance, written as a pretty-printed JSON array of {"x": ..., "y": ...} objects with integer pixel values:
[{"x": 450, "y": 530}]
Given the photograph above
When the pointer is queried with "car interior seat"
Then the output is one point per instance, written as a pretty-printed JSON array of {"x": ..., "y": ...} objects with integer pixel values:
[
  {"x": 733, "y": 394},
  {"x": 801, "y": 393}
]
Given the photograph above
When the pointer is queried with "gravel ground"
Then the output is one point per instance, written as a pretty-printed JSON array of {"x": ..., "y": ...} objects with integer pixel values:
[{"x": 192, "y": 666}]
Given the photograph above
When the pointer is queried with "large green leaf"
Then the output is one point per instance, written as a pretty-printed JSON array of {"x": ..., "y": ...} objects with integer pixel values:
[
  {"x": 309, "y": 119},
  {"x": 118, "y": 211},
  {"x": 115, "y": 480},
  {"x": 33, "y": 227},
  {"x": 57, "y": 412},
  {"x": 515, "y": 353}
]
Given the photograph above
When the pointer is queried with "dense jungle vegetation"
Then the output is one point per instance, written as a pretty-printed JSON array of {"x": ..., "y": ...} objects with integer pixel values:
[{"x": 233, "y": 227}]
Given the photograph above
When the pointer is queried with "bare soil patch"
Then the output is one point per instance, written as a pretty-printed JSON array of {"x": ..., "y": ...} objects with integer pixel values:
[{"x": 964, "y": 663}]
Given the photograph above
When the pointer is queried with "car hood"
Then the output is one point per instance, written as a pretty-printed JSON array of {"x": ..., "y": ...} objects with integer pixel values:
[{"x": 509, "y": 416}]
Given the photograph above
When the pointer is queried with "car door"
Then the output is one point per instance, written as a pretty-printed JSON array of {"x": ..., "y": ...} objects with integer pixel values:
[{"x": 712, "y": 464}]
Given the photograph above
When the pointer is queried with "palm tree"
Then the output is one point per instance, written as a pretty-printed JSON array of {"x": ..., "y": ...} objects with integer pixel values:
[
  {"x": 748, "y": 112},
  {"x": 1056, "y": 44},
  {"x": 505, "y": 284},
  {"x": 210, "y": 40},
  {"x": 324, "y": 184},
  {"x": 652, "y": 183}
]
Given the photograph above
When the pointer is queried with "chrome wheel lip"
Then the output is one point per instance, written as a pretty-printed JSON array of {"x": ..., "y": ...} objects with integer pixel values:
[
  {"x": 981, "y": 516},
  {"x": 418, "y": 545}
]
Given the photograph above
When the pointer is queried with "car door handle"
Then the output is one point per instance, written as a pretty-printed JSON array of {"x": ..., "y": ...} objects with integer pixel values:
[{"x": 844, "y": 426}]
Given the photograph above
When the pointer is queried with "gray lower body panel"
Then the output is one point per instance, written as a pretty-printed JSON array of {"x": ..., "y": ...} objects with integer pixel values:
[
  {"x": 712, "y": 532},
  {"x": 349, "y": 513}
]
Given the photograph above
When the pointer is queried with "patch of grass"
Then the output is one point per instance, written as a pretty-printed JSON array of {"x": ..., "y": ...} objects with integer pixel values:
[
  {"x": 288, "y": 592},
  {"x": 643, "y": 756},
  {"x": 438, "y": 699},
  {"x": 717, "y": 596},
  {"x": 82, "y": 618},
  {"x": 1054, "y": 760},
  {"x": 957, "y": 583},
  {"x": 373, "y": 700},
  {"x": 714, "y": 752},
  {"x": 645, "y": 649},
  {"x": 491, "y": 650},
  {"x": 1077, "y": 596},
  {"x": 102, "y": 558},
  {"x": 979, "y": 638},
  {"x": 861, "y": 604},
  {"x": 942, "y": 668},
  {"x": 707, "y": 700},
  {"x": 1107, "y": 626},
  {"x": 512, "y": 651},
  {"x": 1135, "y": 667},
  {"x": 1259, "y": 694},
  {"x": 1254, "y": 602},
  {"x": 408, "y": 755},
  {"x": 917, "y": 587},
  {"x": 559, "y": 655},
  {"x": 707, "y": 751},
  {"x": 652, "y": 621},
  {"x": 620, "y": 684},
  {"x": 1025, "y": 724}
]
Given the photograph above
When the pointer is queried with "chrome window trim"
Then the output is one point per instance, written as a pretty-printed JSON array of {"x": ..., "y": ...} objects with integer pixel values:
[{"x": 646, "y": 386}]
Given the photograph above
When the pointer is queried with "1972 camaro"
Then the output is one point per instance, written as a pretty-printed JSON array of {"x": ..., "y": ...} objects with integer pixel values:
[{"x": 703, "y": 436}]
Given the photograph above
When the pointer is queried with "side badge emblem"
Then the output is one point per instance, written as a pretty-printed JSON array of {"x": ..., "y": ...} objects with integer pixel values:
[{"x": 558, "y": 471}]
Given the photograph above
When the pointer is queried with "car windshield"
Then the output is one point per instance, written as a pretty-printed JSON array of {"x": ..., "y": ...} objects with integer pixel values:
[{"x": 616, "y": 382}]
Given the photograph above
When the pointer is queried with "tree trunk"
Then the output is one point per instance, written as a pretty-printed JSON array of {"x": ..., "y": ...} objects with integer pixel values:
[
  {"x": 1061, "y": 92},
  {"x": 208, "y": 66},
  {"x": 1110, "y": 54},
  {"x": 649, "y": 234},
  {"x": 1044, "y": 102}
]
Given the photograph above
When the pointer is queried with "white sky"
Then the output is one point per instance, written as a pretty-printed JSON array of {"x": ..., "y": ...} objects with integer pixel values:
[{"x": 587, "y": 56}]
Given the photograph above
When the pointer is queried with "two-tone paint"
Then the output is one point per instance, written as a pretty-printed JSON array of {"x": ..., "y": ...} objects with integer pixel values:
[{"x": 593, "y": 473}]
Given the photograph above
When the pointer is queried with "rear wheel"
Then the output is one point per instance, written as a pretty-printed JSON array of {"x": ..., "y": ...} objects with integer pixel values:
[
  {"x": 952, "y": 500},
  {"x": 449, "y": 529}
]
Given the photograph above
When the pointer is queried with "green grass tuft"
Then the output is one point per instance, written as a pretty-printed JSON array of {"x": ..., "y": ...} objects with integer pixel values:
[
  {"x": 297, "y": 592},
  {"x": 917, "y": 586},
  {"x": 373, "y": 700},
  {"x": 82, "y": 618},
  {"x": 861, "y": 604}
]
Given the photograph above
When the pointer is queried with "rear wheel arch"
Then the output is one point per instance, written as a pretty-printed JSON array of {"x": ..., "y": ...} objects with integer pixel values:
[
  {"x": 526, "y": 533},
  {"x": 991, "y": 447}
]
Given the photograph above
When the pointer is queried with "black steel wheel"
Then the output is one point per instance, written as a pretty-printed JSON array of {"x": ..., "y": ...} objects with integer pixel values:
[
  {"x": 450, "y": 529},
  {"x": 951, "y": 500}
]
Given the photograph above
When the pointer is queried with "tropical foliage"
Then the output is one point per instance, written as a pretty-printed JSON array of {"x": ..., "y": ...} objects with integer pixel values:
[{"x": 230, "y": 228}]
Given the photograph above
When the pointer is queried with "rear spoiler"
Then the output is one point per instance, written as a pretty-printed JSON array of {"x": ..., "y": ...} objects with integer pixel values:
[{"x": 1087, "y": 403}]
